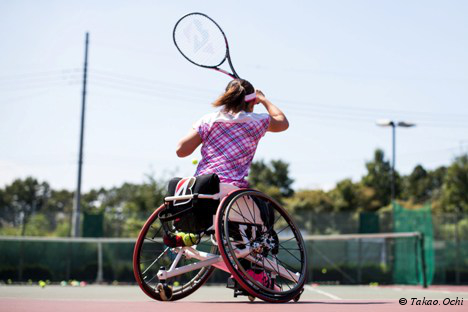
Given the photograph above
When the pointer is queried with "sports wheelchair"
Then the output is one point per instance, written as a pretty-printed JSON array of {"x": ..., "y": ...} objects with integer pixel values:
[{"x": 240, "y": 231}]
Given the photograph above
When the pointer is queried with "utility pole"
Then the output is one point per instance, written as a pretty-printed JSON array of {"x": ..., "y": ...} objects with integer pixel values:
[{"x": 77, "y": 202}]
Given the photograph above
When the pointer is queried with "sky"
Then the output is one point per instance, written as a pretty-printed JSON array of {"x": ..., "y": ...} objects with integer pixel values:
[{"x": 334, "y": 68}]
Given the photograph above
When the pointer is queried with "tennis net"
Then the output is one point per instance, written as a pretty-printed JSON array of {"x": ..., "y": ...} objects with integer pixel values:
[{"x": 337, "y": 259}]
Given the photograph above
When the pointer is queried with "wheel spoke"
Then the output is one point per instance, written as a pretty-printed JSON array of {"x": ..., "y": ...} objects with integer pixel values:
[
  {"x": 289, "y": 252},
  {"x": 152, "y": 254}
]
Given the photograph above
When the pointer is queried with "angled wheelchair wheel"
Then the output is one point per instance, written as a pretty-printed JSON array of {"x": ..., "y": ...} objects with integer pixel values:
[
  {"x": 151, "y": 254},
  {"x": 261, "y": 246}
]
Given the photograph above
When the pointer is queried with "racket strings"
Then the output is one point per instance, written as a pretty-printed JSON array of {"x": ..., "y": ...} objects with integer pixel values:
[{"x": 200, "y": 40}]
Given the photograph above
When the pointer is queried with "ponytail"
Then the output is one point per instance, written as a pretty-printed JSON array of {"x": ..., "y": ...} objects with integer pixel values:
[{"x": 233, "y": 99}]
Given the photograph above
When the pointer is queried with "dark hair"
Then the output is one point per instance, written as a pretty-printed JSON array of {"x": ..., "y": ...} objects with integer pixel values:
[{"x": 233, "y": 99}]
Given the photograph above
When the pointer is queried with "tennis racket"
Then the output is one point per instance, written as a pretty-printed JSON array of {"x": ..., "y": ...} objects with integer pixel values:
[{"x": 202, "y": 42}]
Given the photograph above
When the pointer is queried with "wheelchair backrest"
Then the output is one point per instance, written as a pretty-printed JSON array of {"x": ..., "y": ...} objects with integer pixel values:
[{"x": 200, "y": 211}]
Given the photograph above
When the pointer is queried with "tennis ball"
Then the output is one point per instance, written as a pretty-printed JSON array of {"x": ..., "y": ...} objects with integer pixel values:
[
  {"x": 324, "y": 271},
  {"x": 42, "y": 284},
  {"x": 194, "y": 161},
  {"x": 189, "y": 239},
  {"x": 176, "y": 283}
]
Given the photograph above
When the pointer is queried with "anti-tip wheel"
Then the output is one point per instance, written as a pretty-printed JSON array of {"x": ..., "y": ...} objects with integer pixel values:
[
  {"x": 298, "y": 297},
  {"x": 164, "y": 291}
]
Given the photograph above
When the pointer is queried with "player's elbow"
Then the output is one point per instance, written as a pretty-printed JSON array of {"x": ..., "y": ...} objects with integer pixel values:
[
  {"x": 181, "y": 151},
  {"x": 279, "y": 125},
  {"x": 285, "y": 125}
]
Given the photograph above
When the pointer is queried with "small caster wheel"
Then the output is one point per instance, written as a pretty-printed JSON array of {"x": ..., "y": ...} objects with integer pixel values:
[
  {"x": 251, "y": 298},
  {"x": 164, "y": 291}
]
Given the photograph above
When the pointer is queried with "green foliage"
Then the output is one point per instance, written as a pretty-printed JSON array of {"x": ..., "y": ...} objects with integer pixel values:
[
  {"x": 38, "y": 225},
  {"x": 132, "y": 227},
  {"x": 30, "y": 207},
  {"x": 422, "y": 186},
  {"x": 21, "y": 199},
  {"x": 310, "y": 200},
  {"x": 379, "y": 177},
  {"x": 345, "y": 196},
  {"x": 272, "y": 177},
  {"x": 455, "y": 187},
  {"x": 131, "y": 203},
  {"x": 63, "y": 229}
]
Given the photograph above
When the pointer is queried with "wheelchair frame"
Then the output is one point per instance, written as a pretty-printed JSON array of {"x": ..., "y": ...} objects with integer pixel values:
[{"x": 248, "y": 252}]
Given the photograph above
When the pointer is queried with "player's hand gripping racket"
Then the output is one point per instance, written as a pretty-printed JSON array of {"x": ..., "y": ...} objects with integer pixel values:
[{"x": 201, "y": 41}]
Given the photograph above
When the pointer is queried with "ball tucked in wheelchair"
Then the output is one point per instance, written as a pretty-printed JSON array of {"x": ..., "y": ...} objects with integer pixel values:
[
  {"x": 193, "y": 215},
  {"x": 205, "y": 225}
]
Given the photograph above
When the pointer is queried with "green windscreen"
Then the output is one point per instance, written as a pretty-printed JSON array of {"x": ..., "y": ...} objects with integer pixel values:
[{"x": 408, "y": 264}]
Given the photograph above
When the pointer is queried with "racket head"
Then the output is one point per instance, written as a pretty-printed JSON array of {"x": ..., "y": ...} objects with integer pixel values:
[{"x": 200, "y": 40}]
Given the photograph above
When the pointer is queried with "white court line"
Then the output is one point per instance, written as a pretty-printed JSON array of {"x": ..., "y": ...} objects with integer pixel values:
[
  {"x": 448, "y": 292},
  {"x": 322, "y": 292}
]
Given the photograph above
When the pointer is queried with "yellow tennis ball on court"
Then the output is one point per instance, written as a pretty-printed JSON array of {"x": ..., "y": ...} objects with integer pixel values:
[
  {"x": 189, "y": 239},
  {"x": 324, "y": 271},
  {"x": 42, "y": 284},
  {"x": 176, "y": 283},
  {"x": 194, "y": 161}
]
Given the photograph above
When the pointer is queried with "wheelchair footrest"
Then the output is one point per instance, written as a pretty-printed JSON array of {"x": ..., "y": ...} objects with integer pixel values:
[{"x": 238, "y": 290}]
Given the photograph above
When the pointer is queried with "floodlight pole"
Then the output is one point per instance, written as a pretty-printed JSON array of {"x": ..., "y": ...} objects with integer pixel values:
[
  {"x": 77, "y": 202},
  {"x": 393, "y": 124},
  {"x": 393, "y": 160}
]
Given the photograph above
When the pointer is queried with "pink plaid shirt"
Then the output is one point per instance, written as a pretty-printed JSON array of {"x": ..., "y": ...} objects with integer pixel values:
[{"x": 229, "y": 144}]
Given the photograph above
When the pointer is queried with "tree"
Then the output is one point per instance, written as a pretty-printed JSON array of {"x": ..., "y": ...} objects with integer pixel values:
[
  {"x": 316, "y": 201},
  {"x": 345, "y": 196},
  {"x": 421, "y": 186},
  {"x": 271, "y": 178},
  {"x": 417, "y": 185},
  {"x": 455, "y": 187},
  {"x": 308, "y": 206},
  {"x": 22, "y": 199},
  {"x": 379, "y": 177},
  {"x": 127, "y": 207}
]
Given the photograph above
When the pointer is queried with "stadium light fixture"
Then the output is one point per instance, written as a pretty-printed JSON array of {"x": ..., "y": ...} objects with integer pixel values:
[{"x": 393, "y": 124}]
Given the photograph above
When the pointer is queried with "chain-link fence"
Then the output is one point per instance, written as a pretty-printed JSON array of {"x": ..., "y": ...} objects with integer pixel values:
[{"x": 340, "y": 261}]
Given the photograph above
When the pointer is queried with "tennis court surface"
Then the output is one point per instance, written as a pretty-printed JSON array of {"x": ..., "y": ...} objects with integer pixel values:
[{"x": 315, "y": 298}]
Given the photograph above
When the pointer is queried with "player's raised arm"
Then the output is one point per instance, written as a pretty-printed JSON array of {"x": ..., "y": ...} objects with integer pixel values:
[{"x": 278, "y": 121}]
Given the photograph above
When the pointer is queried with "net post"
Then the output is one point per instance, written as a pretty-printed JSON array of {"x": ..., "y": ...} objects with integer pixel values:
[
  {"x": 310, "y": 265},
  {"x": 359, "y": 270},
  {"x": 99, "y": 276},
  {"x": 423, "y": 258}
]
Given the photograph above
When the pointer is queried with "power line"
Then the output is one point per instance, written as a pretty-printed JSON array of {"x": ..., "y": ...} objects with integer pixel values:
[
  {"x": 24, "y": 96},
  {"x": 354, "y": 109},
  {"x": 366, "y": 109},
  {"x": 136, "y": 86},
  {"x": 35, "y": 80},
  {"x": 141, "y": 91},
  {"x": 38, "y": 85},
  {"x": 40, "y": 74},
  {"x": 170, "y": 91},
  {"x": 151, "y": 81}
]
